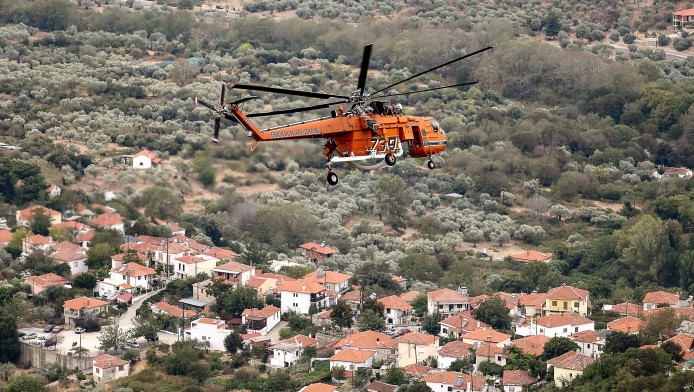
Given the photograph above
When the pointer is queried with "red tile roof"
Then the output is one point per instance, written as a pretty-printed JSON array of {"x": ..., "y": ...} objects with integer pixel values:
[
  {"x": 684, "y": 341},
  {"x": 417, "y": 370},
  {"x": 67, "y": 256},
  {"x": 210, "y": 321},
  {"x": 485, "y": 335},
  {"x": 74, "y": 225},
  {"x": 263, "y": 313},
  {"x": 134, "y": 269},
  {"x": 325, "y": 250},
  {"x": 106, "y": 361},
  {"x": 379, "y": 386},
  {"x": 148, "y": 154},
  {"x": 281, "y": 279},
  {"x": 449, "y": 378},
  {"x": 395, "y": 302},
  {"x": 190, "y": 259},
  {"x": 233, "y": 266},
  {"x": 573, "y": 360},
  {"x": 661, "y": 297},
  {"x": 327, "y": 277},
  {"x": 518, "y": 378},
  {"x": 352, "y": 355},
  {"x": 689, "y": 12},
  {"x": 301, "y": 286},
  {"x": 398, "y": 279},
  {"x": 107, "y": 219},
  {"x": 85, "y": 237},
  {"x": 83, "y": 303},
  {"x": 455, "y": 349},
  {"x": 628, "y": 309},
  {"x": 409, "y": 296},
  {"x": 627, "y": 324},
  {"x": 567, "y": 292},
  {"x": 219, "y": 253},
  {"x": 532, "y": 255},
  {"x": 5, "y": 236},
  {"x": 558, "y": 320},
  {"x": 66, "y": 245},
  {"x": 354, "y": 296},
  {"x": 447, "y": 295},
  {"x": 318, "y": 387},
  {"x": 366, "y": 340},
  {"x": 418, "y": 338},
  {"x": 28, "y": 213},
  {"x": 298, "y": 340},
  {"x": 37, "y": 239},
  {"x": 46, "y": 280},
  {"x": 463, "y": 323},
  {"x": 533, "y": 345},
  {"x": 584, "y": 337},
  {"x": 174, "y": 310}
]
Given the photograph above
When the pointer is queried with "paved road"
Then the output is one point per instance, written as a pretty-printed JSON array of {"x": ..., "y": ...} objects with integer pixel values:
[{"x": 126, "y": 321}]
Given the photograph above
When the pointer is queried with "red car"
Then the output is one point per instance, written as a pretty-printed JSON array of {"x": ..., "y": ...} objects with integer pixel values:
[{"x": 57, "y": 329}]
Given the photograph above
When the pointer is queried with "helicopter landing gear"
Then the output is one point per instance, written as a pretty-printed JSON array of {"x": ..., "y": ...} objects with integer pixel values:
[
  {"x": 390, "y": 159},
  {"x": 431, "y": 165},
  {"x": 332, "y": 178}
]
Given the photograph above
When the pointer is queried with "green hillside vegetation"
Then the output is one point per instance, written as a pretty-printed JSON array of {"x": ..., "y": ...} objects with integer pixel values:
[{"x": 554, "y": 149}]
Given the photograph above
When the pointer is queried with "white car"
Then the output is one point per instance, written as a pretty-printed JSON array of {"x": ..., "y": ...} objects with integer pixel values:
[{"x": 29, "y": 336}]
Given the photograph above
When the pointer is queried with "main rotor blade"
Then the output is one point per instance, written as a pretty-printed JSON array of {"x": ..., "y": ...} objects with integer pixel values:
[
  {"x": 429, "y": 89},
  {"x": 435, "y": 68},
  {"x": 221, "y": 97},
  {"x": 364, "y": 68},
  {"x": 205, "y": 104},
  {"x": 300, "y": 93},
  {"x": 297, "y": 110},
  {"x": 215, "y": 138}
]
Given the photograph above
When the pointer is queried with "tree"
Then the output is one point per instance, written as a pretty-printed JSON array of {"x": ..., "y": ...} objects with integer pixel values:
[
  {"x": 643, "y": 246},
  {"x": 41, "y": 221},
  {"x": 393, "y": 198},
  {"x": 285, "y": 226},
  {"x": 373, "y": 304},
  {"x": 370, "y": 321},
  {"x": 619, "y": 342},
  {"x": 256, "y": 254},
  {"x": 557, "y": 346},
  {"x": 26, "y": 383},
  {"x": 418, "y": 387},
  {"x": 421, "y": 267},
  {"x": 660, "y": 326},
  {"x": 491, "y": 368},
  {"x": 99, "y": 256},
  {"x": 494, "y": 312},
  {"x": 162, "y": 203},
  {"x": 85, "y": 281},
  {"x": 79, "y": 351},
  {"x": 460, "y": 365},
  {"x": 341, "y": 314},
  {"x": 395, "y": 376},
  {"x": 112, "y": 337},
  {"x": 552, "y": 25},
  {"x": 517, "y": 360},
  {"x": 146, "y": 327},
  {"x": 674, "y": 349},
  {"x": 420, "y": 303},
  {"x": 9, "y": 338},
  {"x": 430, "y": 323},
  {"x": 234, "y": 302},
  {"x": 233, "y": 342}
]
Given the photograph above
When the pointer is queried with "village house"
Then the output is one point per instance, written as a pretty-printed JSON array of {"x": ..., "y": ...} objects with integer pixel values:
[
  {"x": 451, "y": 352},
  {"x": 25, "y": 216},
  {"x": 448, "y": 302},
  {"x": 530, "y": 256},
  {"x": 415, "y": 347},
  {"x": 334, "y": 281},
  {"x": 517, "y": 380},
  {"x": 378, "y": 386},
  {"x": 144, "y": 159},
  {"x": 590, "y": 342},
  {"x": 533, "y": 345},
  {"x": 53, "y": 190},
  {"x": 107, "y": 368},
  {"x": 491, "y": 336},
  {"x": 36, "y": 243},
  {"x": 315, "y": 253},
  {"x": 262, "y": 320},
  {"x": 568, "y": 366},
  {"x": 566, "y": 299},
  {"x": 73, "y": 255},
  {"x": 686, "y": 343},
  {"x": 209, "y": 330},
  {"x": 563, "y": 325},
  {"x": 117, "y": 260},
  {"x": 189, "y": 266},
  {"x": 490, "y": 352},
  {"x": 678, "y": 19},
  {"x": 83, "y": 239},
  {"x": 176, "y": 311},
  {"x": 627, "y": 324},
  {"x": 352, "y": 360},
  {"x": 264, "y": 286},
  {"x": 401, "y": 281},
  {"x": 409, "y": 296},
  {"x": 627, "y": 309},
  {"x": 136, "y": 275},
  {"x": 448, "y": 381},
  {"x": 353, "y": 299},
  {"x": 459, "y": 324},
  {"x": 298, "y": 296},
  {"x": 108, "y": 220},
  {"x": 5, "y": 238},
  {"x": 510, "y": 300},
  {"x": 397, "y": 312},
  {"x": 417, "y": 371},
  {"x": 658, "y": 299},
  {"x": 318, "y": 387},
  {"x": 79, "y": 307},
  {"x": 109, "y": 289},
  {"x": 377, "y": 342},
  {"x": 233, "y": 271},
  {"x": 41, "y": 282},
  {"x": 531, "y": 304},
  {"x": 175, "y": 229},
  {"x": 287, "y": 352}
]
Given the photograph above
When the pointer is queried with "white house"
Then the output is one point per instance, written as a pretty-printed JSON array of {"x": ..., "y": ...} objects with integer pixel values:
[
  {"x": 109, "y": 288},
  {"x": 298, "y": 296},
  {"x": 331, "y": 280},
  {"x": 25, "y": 216},
  {"x": 188, "y": 266},
  {"x": 262, "y": 320},
  {"x": 352, "y": 359},
  {"x": 209, "y": 330},
  {"x": 145, "y": 159},
  {"x": 563, "y": 325},
  {"x": 36, "y": 243},
  {"x": 73, "y": 255},
  {"x": 460, "y": 324},
  {"x": 109, "y": 221},
  {"x": 515, "y": 380},
  {"x": 396, "y": 310},
  {"x": 452, "y": 351},
  {"x": 590, "y": 342},
  {"x": 234, "y": 271},
  {"x": 448, "y": 381},
  {"x": 107, "y": 368},
  {"x": 655, "y": 299},
  {"x": 448, "y": 302},
  {"x": 53, "y": 190},
  {"x": 287, "y": 352},
  {"x": 134, "y": 274}
]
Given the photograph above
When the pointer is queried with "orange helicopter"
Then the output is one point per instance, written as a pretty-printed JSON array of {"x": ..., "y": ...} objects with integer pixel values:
[{"x": 370, "y": 129}]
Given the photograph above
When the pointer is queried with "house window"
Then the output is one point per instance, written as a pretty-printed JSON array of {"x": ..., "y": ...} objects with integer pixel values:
[
  {"x": 121, "y": 367},
  {"x": 576, "y": 329},
  {"x": 588, "y": 345},
  {"x": 554, "y": 303},
  {"x": 296, "y": 295},
  {"x": 98, "y": 370},
  {"x": 566, "y": 330},
  {"x": 575, "y": 304},
  {"x": 542, "y": 330},
  {"x": 566, "y": 305}
]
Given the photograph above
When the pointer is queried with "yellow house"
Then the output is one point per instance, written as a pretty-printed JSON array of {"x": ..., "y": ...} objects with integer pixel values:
[
  {"x": 566, "y": 299},
  {"x": 568, "y": 366},
  {"x": 416, "y": 347},
  {"x": 262, "y": 285}
]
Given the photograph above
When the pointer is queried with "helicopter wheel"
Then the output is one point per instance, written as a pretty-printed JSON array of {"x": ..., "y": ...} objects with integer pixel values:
[
  {"x": 390, "y": 159},
  {"x": 332, "y": 178},
  {"x": 431, "y": 165}
]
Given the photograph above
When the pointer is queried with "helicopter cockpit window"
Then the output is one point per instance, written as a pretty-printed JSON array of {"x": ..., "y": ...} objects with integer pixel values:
[{"x": 435, "y": 125}]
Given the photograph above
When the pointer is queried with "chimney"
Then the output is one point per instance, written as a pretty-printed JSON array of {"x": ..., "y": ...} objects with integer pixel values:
[
  {"x": 527, "y": 252},
  {"x": 469, "y": 388}
]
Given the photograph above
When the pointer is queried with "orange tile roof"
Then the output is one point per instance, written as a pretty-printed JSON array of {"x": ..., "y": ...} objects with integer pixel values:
[
  {"x": 66, "y": 245},
  {"x": 353, "y": 296},
  {"x": 398, "y": 278},
  {"x": 37, "y": 239},
  {"x": 417, "y": 370},
  {"x": 584, "y": 337},
  {"x": 281, "y": 279},
  {"x": 67, "y": 256},
  {"x": 689, "y": 12},
  {"x": 684, "y": 341},
  {"x": 573, "y": 360},
  {"x": 628, "y": 309},
  {"x": 83, "y": 303},
  {"x": 134, "y": 269},
  {"x": 558, "y": 320},
  {"x": 325, "y": 250},
  {"x": 189, "y": 259},
  {"x": 532, "y": 255},
  {"x": 139, "y": 248},
  {"x": 219, "y": 253},
  {"x": 510, "y": 300},
  {"x": 533, "y": 345},
  {"x": 28, "y": 213},
  {"x": 319, "y": 387},
  {"x": 174, "y": 310},
  {"x": 352, "y": 355},
  {"x": 455, "y": 349},
  {"x": 106, "y": 361},
  {"x": 264, "y": 313},
  {"x": 449, "y": 378},
  {"x": 120, "y": 256},
  {"x": 74, "y": 225},
  {"x": 46, "y": 280},
  {"x": 211, "y": 321},
  {"x": 256, "y": 282},
  {"x": 518, "y": 378},
  {"x": 567, "y": 292},
  {"x": 366, "y": 340},
  {"x": 148, "y": 154},
  {"x": 661, "y": 297},
  {"x": 301, "y": 286},
  {"x": 688, "y": 312},
  {"x": 85, "y": 237},
  {"x": 463, "y": 323},
  {"x": 483, "y": 335},
  {"x": 627, "y": 324},
  {"x": 418, "y": 338},
  {"x": 409, "y": 296},
  {"x": 5, "y": 236},
  {"x": 327, "y": 277},
  {"x": 298, "y": 340},
  {"x": 536, "y": 300},
  {"x": 395, "y": 302},
  {"x": 107, "y": 219},
  {"x": 447, "y": 295},
  {"x": 233, "y": 266}
]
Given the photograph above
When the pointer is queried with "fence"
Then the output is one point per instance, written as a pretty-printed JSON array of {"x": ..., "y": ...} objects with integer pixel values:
[{"x": 38, "y": 357}]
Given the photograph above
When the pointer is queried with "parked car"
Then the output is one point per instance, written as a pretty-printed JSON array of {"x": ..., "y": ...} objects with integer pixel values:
[
  {"x": 20, "y": 333},
  {"x": 48, "y": 328},
  {"x": 124, "y": 346},
  {"x": 57, "y": 329},
  {"x": 134, "y": 344},
  {"x": 79, "y": 330},
  {"x": 153, "y": 338},
  {"x": 29, "y": 336},
  {"x": 219, "y": 7}
]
